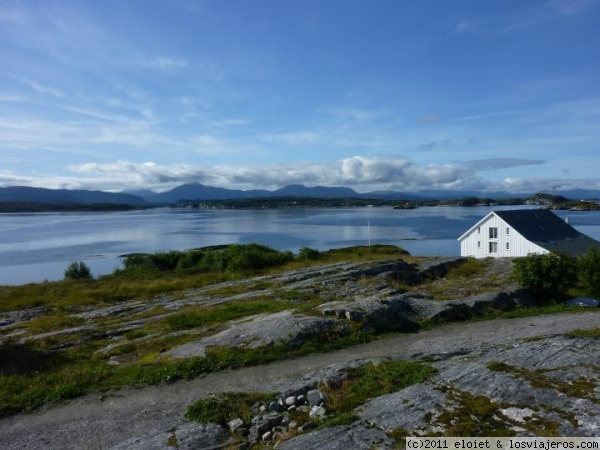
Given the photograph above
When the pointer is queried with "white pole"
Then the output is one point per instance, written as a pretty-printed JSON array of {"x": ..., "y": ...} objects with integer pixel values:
[{"x": 369, "y": 231}]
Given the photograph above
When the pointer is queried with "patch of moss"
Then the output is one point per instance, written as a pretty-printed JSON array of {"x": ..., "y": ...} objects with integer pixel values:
[
  {"x": 225, "y": 407},
  {"x": 593, "y": 333},
  {"x": 581, "y": 388},
  {"x": 541, "y": 426},
  {"x": 473, "y": 415}
]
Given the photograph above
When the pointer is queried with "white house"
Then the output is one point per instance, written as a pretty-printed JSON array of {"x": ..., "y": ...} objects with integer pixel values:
[{"x": 521, "y": 232}]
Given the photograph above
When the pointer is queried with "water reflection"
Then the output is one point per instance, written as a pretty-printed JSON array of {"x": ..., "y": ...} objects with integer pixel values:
[{"x": 34, "y": 247}]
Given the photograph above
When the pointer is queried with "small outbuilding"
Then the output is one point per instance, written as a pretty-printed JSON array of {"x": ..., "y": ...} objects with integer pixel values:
[{"x": 520, "y": 232}]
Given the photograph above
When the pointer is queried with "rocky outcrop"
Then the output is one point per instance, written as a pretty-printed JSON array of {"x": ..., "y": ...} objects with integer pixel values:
[
  {"x": 390, "y": 311},
  {"x": 189, "y": 436},
  {"x": 545, "y": 387},
  {"x": 284, "y": 327}
]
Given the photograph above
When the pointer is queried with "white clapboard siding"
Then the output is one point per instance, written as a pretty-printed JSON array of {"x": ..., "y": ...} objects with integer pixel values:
[{"x": 476, "y": 241}]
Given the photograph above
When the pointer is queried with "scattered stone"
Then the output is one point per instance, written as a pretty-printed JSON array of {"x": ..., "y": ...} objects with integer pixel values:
[
  {"x": 307, "y": 427},
  {"x": 266, "y": 437},
  {"x": 235, "y": 425},
  {"x": 315, "y": 397},
  {"x": 317, "y": 412}
]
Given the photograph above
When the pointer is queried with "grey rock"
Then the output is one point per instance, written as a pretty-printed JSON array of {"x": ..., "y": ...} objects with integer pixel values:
[
  {"x": 315, "y": 397},
  {"x": 189, "y": 436},
  {"x": 274, "y": 406},
  {"x": 438, "y": 267},
  {"x": 235, "y": 424},
  {"x": 266, "y": 437},
  {"x": 307, "y": 427},
  {"x": 355, "y": 437},
  {"x": 555, "y": 380},
  {"x": 406, "y": 409},
  {"x": 317, "y": 412},
  {"x": 284, "y": 327}
]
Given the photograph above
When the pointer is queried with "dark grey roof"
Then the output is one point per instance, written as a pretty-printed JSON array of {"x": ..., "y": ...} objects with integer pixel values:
[{"x": 546, "y": 229}]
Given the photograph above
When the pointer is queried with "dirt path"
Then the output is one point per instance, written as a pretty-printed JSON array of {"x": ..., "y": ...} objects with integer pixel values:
[{"x": 91, "y": 423}]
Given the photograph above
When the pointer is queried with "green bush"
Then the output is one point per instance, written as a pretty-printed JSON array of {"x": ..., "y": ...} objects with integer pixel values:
[
  {"x": 232, "y": 258},
  {"x": 589, "y": 272},
  {"x": 548, "y": 276},
  {"x": 78, "y": 271},
  {"x": 308, "y": 254}
]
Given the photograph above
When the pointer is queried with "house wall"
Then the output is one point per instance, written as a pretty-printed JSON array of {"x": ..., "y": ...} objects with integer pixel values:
[{"x": 477, "y": 242}]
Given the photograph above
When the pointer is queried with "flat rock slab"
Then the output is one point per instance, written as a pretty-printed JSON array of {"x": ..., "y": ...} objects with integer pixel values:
[
  {"x": 279, "y": 328},
  {"x": 189, "y": 436},
  {"x": 355, "y": 437},
  {"x": 533, "y": 386}
]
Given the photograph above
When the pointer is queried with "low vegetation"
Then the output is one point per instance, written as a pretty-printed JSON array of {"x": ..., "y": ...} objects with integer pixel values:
[{"x": 553, "y": 276}]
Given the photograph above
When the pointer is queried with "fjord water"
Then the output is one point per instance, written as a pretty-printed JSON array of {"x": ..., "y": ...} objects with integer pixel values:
[{"x": 38, "y": 247}]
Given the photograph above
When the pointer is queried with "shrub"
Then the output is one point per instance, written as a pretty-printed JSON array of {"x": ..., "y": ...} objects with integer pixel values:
[
  {"x": 589, "y": 272},
  {"x": 78, "y": 271},
  {"x": 231, "y": 258},
  {"x": 308, "y": 254},
  {"x": 548, "y": 276}
]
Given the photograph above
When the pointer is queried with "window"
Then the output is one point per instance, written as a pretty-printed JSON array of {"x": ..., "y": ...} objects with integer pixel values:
[
  {"x": 478, "y": 244},
  {"x": 493, "y": 247},
  {"x": 507, "y": 231},
  {"x": 478, "y": 230},
  {"x": 493, "y": 233},
  {"x": 508, "y": 246}
]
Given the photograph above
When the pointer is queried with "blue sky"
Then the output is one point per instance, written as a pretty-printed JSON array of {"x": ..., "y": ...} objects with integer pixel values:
[{"x": 373, "y": 95}]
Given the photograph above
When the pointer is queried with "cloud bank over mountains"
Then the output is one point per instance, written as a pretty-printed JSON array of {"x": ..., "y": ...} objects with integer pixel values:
[{"x": 363, "y": 174}]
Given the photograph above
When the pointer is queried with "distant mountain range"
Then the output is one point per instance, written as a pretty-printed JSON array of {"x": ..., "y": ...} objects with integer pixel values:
[
  {"x": 42, "y": 195},
  {"x": 200, "y": 192}
]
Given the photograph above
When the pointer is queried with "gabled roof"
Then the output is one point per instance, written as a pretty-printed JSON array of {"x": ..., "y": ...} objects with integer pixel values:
[{"x": 546, "y": 229}]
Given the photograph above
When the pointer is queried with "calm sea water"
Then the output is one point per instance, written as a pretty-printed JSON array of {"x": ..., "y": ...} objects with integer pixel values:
[{"x": 37, "y": 247}]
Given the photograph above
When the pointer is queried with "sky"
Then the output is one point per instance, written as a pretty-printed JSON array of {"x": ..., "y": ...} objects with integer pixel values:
[{"x": 374, "y": 95}]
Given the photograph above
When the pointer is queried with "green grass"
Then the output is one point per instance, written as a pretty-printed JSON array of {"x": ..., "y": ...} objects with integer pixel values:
[
  {"x": 470, "y": 268},
  {"x": 593, "y": 333},
  {"x": 225, "y": 407},
  {"x": 207, "y": 316},
  {"x": 373, "y": 380}
]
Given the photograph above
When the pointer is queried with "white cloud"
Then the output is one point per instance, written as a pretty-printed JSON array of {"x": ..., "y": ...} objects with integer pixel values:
[
  {"x": 45, "y": 89},
  {"x": 358, "y": 172}
]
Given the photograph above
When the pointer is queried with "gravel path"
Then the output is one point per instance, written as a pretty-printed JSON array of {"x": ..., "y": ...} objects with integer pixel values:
[{"x": 92, "y": 423}]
